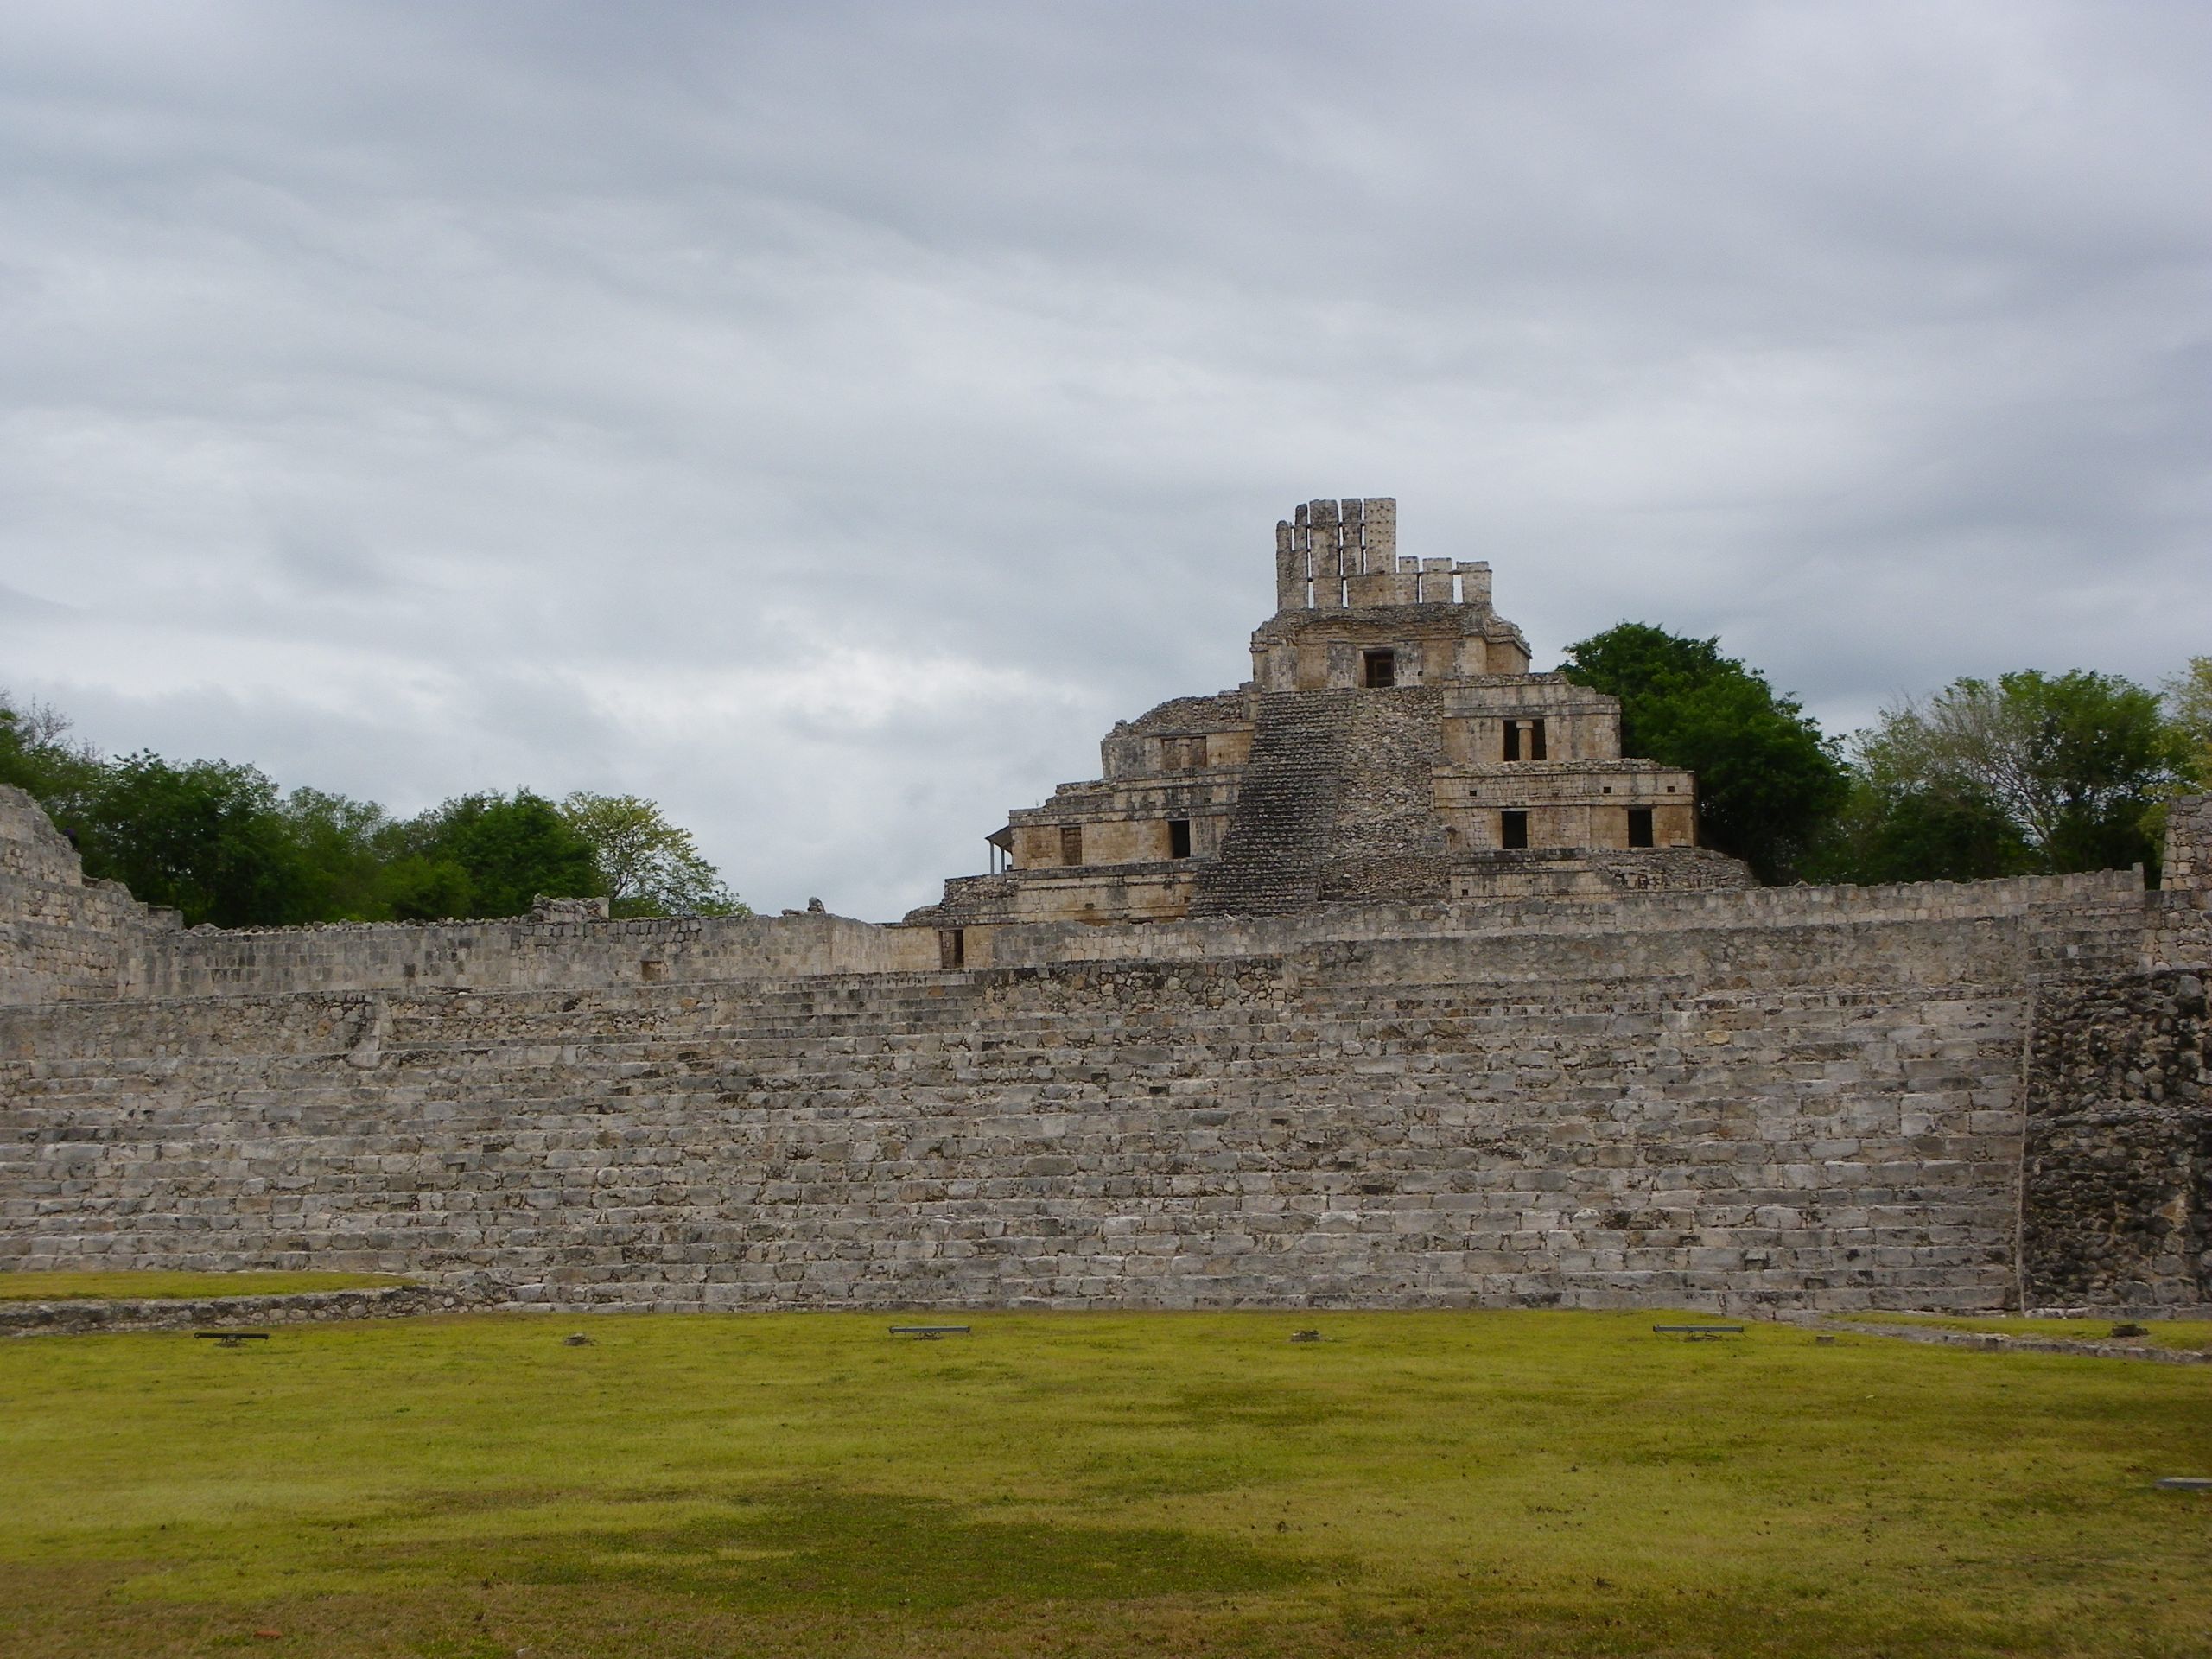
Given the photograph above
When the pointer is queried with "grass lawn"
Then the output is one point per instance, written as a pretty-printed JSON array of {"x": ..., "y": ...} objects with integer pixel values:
[
  {"x": 2191, "y": 1335},
  {"x": 117, "y": 1286},
  {"x": 1093, "y": 1484}
]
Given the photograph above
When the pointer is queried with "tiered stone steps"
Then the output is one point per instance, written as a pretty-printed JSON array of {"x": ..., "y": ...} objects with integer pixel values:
[
  {"x": 1172, "y": 1133},
  {"x": 1270, "y": 864}
]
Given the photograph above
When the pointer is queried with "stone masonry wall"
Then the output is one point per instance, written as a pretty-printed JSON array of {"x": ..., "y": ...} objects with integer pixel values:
[
  {"x": 520, "y": 955},
  {"x": 1940, "y": 1096},
  {"x": 2117, "y": 1177},
  {"x": 61, "y": 936},
  {"x": 1386, "y": 842},
  {"x": 2180, "y": 921},
  {"x": 1824, "y": 1114}
]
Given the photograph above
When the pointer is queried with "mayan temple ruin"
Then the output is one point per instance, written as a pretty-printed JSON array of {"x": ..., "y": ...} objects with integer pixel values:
[
  {"x": 1392, "y": 747},
  {"x": 1383, "y": 980}
]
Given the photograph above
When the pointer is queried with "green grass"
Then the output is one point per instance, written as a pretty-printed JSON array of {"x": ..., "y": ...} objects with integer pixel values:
[
  {"x": 124, "y": 1285},
  {"x": 1424, "y": 1484},
  {"x": 2187, "y": 1336}
]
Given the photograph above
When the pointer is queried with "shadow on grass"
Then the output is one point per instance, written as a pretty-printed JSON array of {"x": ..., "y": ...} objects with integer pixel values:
[{"x": 816, "y": 1551}]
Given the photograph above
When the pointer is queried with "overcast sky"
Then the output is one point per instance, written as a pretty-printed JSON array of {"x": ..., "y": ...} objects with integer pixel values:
[{"x": 829, "y": 419}]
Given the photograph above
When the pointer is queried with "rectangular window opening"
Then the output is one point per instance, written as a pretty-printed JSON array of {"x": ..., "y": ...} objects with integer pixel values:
[
  {"x": 1380, "y": 668},
  {"x": 1524, "y": 740},
  {"x": 1513, "y": 831},
  {"x": 1071, "y": 843},
  {"x": 1179, "y": 837},
  {"x": 1639, "y": 826},
  {"x": 952, "y": 947}
]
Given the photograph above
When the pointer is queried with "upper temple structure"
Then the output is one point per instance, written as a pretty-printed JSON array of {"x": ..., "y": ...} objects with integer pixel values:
[{"x": 1390, "y": 747}]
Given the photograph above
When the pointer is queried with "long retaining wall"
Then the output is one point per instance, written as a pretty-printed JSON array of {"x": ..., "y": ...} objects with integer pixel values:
[{"x": 1804, "y": 1098}]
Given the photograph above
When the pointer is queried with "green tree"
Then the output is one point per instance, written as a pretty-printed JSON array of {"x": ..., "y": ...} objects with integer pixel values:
[
  {"x": 420, "y": 887},
  {"x": 649, "y": 866},
  {"x": 1768, "y": 781},
  {"x": 343, "y": 864},
  {"x": 1889, "y": 833},
  {"x": 208, "y": 838},
  {"x": 37, "y": 757},
  {"x": 2079, "y": 764},
  {"x": 2188, "y": 707},
  {"x": 488, "y": 855}
]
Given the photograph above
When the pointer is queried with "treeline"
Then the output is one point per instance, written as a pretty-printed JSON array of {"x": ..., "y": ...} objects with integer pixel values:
[
  {"x": 2028, "y": 773},
  {"x": 221, "y": 843}
]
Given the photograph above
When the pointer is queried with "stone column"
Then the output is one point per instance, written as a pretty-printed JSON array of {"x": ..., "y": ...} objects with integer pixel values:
[{"x": 1290, "y": 568}]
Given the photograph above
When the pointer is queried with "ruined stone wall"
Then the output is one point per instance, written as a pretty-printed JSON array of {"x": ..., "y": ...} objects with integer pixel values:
[
  {"x": 61, "y": 936},
  {"x": 1823, "y": 1112},
  {"x": 2117, "y": 1182},
  {"x": 518, "y": 955},
  {"x": 587, "y": 955},
  {"x": 2180, "y": 918},
  {"x": 2107, "y": 906},
  {"x": 2116, "y": 1179}
]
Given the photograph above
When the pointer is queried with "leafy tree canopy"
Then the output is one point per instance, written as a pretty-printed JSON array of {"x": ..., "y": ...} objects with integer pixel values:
[
  {"x": 208, "y": 838},
  {"x": 341, "y": 842},
  {"x": 37, "y": 757},
  {"x": 1889, "y": 832},
  {"x": 217, "y": 841},
  {"x": 2189, "y": 705},
  {"x": 2079, "y": 764},
  {"x": 496, "y": 853},
  {"x": 1768, "y": 780},
  {"x": 651, "y": 866}
]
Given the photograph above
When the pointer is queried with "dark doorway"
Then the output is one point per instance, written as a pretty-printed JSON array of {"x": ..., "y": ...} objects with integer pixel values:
[
  {"x": 1379, "y": 668},
  {"x": 1639, "y": 826},
  {"x": 1179, "y": 837},
  {"x": 1513, "y": 831}
]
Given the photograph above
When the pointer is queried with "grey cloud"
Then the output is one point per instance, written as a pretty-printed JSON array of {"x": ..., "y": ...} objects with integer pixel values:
[{"x": 829, "y": 419}]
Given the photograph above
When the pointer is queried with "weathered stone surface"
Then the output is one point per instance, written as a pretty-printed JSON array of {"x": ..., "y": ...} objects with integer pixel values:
[
  {"x": 182, "y": 1313},
  {"x": 1801, "y": 1099},
  {"x": 2117, "y": 1177}
]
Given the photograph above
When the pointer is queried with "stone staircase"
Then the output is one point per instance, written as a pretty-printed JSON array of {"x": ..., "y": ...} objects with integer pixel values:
[{"x": 1270, "y": 864}]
